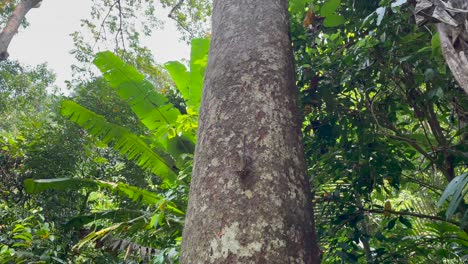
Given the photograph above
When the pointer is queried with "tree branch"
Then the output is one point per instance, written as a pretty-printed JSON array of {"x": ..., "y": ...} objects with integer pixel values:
[
  {"x": 120, "y": 30},
  {"x": 171, "y": 16},
  {"x": 424, "y": 184},
  {"x": 431, "y": 217},
  {"x": 453, "y": 33},
  {"x": 13, "y": 23},
  {"x": 102, "y": 27},
  {"x": 398, "y": 135}
]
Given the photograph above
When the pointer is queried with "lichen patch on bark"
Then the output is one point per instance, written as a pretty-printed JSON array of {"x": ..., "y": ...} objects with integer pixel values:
[{"x": 228, "y": 243}]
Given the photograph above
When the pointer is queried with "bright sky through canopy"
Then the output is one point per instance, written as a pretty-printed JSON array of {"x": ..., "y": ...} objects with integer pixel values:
[{"x": 47, "y": 38}]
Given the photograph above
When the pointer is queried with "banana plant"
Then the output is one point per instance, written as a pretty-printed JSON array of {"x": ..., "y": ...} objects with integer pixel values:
[
  {"x": 172, "y": 134},
  {"x": 153, "y": 109}
]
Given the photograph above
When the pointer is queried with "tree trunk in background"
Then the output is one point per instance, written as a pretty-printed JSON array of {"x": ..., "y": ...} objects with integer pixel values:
[
  {"x": 249, "y": 198},
  {"x": 13, "y": 23},
  {"x": 452, "y": 19}
]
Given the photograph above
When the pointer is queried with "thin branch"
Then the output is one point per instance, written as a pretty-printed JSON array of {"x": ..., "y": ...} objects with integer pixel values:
[
  {"x": 431, "y": 217},
  {"x": 13, "y": 24},
  {"x": 171, "y": 16},
  {"x": 412, "y": 143},
  {"x": 176, "y": 7},
  {"x": 101, "y": 28},
  {"x": 426, "y": 134},
  {"x": 424, "y": 184},
  {"x": 120, "y": 25},
  {"x": 398, "y": 135}
]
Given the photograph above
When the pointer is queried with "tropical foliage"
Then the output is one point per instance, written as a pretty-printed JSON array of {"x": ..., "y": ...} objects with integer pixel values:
[
  {"x": 165, "y": 151},
  {"x": 384, "y": 125},
  {"x": 103, "y": 174}
]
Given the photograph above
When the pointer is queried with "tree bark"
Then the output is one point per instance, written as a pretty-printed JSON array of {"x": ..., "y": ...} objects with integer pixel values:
[
  {"x": 456, "y": 58},
  {"x": 452, "y": 19},
  {"x": 13, "y": 23},
  {"x": 250, "y": 198}
]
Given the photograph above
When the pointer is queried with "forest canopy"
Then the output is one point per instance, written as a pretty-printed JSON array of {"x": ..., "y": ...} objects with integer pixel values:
[{"x": 103, "y": 173}]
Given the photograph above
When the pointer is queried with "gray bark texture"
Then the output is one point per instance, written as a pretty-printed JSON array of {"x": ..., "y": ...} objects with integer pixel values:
[
  {"x": 451, "y": 17},
  {"x": 13, "y": 23},
  {"x": 249, "y": 198}
]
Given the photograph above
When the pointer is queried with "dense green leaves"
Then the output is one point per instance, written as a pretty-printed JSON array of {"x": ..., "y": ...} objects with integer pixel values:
[
  {"x": 383, "y": 122},
  {"x": 298, "y": 5},
  {"x": 165, "y": 151},
  {"x": 379, "y": 126},
  {"x": 181, "y": 77},
  {"x": 27, "y": 239},
  {"x": 333, "y": 20},
  {"x": 329, "y": 7}
]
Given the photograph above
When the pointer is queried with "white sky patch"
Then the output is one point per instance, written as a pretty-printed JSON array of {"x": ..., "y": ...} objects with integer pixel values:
[{"x": 47, "y": 38}]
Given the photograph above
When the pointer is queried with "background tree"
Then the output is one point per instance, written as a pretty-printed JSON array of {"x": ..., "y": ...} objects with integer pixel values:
[
  {"x": 14, "y": 22},
  {"x": 452, "y": 28}
]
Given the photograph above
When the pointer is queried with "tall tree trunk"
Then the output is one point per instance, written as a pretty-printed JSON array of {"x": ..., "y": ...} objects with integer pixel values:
[
  {"x": 249, "y": 199},
  {"x": 13, "y": 24}
]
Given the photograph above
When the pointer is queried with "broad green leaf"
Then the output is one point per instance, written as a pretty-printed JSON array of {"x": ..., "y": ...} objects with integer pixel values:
[
  {"x": 435, "y": 45},
  {"x": 455, "y": 191},
  {"x": 391, "y": 224},
  {"x": 297, "y": 6},
  {"x": 152, "y": 108},
  {"x": 120, "y": 138},
  {"x": 115, "y": 70},
  {"x": 198, "y": 62},
  {"x": 405, "y": 221},
  {"x": 171, "y": 207},
  {"x": 19, "y": 245},
  {"x": 451, "y": 188},
  {"x": 18, "y": 228},
  {"x": 329, "y": 7},
  {"x": 155, "y": 219},
  {"x": 24, "y": 236},
  {"x": 333, "y": 21},
  {"x": 464, "y": 223},
  {"x": 190, "y": 83},
  {"x": 122, "y": 189},
  {"x": 180, "y": 76}
]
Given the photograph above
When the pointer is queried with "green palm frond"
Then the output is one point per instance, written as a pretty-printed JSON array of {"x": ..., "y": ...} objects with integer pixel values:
[
  {"x": 136, "y": 194},
  {"x": 118, "y": 215},
  {"x": 127, "y": 143}
]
